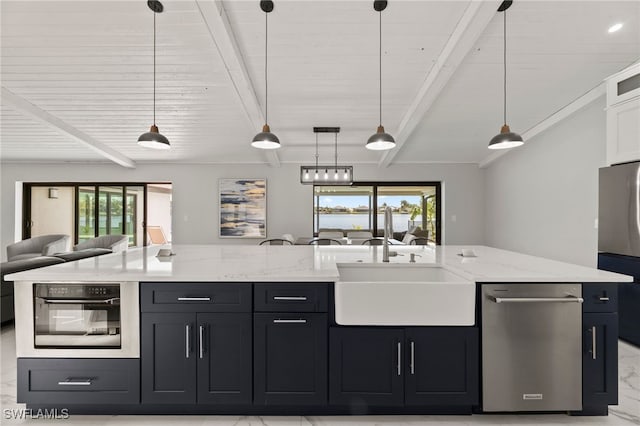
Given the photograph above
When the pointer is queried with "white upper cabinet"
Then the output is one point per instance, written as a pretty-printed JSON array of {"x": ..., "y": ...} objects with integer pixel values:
[{"x": 623, "y": 116}]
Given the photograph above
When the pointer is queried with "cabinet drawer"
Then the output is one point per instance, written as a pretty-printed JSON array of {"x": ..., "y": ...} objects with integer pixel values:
[
  {"x": 291, "y": 297},
  {"x": 192, "y": 297},
  {"x": 78, "y": 381},
  {"x": 600, "y": 297}
]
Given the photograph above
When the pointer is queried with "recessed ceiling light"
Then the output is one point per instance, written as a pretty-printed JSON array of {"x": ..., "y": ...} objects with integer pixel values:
[{"x": 615, "y": 27}]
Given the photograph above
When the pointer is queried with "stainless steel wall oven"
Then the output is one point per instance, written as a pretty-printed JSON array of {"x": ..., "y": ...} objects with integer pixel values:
[{"x": 78, "y": 320}]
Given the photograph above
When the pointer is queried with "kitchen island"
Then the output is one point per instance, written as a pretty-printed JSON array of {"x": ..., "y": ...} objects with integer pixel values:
[{"x": 253, "y": 329}]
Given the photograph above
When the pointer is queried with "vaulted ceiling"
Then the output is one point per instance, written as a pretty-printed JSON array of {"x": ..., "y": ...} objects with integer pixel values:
[{"x": 77, "y": 76}]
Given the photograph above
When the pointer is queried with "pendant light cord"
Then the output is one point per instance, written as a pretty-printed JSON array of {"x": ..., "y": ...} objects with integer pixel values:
[
  {"x": 504, "y": 61},
  {"x": 316, "y": 153},
  {"x": 336, "y": 152},
  {"x": 266, "y": 59},
  {"x": 380, "y": 64},
  {"x": 154, "y": 68}
]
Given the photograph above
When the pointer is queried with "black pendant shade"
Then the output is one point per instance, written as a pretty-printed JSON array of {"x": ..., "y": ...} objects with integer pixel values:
[
  {"x": 265, "y": 139},
  {"x": 154, "y": 139},
  {"x": 505, "y": 139}
]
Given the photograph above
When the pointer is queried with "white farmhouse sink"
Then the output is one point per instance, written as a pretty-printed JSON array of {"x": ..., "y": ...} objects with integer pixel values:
[{"x": 402, "y": 294}]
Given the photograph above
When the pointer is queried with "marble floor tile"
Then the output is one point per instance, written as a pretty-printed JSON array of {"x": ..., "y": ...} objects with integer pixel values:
[{"x": 626, "y": 413}]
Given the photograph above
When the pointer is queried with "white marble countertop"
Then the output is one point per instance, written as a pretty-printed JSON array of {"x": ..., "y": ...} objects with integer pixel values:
[{"x": 251, "y": 263}]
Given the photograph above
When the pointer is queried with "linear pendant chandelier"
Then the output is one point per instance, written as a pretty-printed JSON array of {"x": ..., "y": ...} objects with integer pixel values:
[
  {"x": 327, "y": 174},
  {"x": 153, "y": 138},
  {"x": 506, "y": 138}
]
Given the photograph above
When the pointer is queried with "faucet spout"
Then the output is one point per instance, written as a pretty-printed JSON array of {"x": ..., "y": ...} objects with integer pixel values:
[{"x": 388, "y": 231}]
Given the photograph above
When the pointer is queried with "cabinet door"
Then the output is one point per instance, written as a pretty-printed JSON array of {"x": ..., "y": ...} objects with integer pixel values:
[
  {"x": 365, "y": 367},
  {"x": 224, "y": 351},
  {"x": 168, "y": 359},
  {"x": 623, "y": 132},
  {"x": 600, "y": 360},
  {"x": 290, "y": 359},
  {"x": 442, "y": 366}
]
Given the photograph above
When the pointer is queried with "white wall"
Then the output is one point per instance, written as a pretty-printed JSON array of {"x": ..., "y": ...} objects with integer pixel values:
[
  {"x": 542, "y": 198},
  {"x": 289, "y": 204}
]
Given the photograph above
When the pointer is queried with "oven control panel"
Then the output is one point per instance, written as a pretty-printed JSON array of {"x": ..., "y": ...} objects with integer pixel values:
[{"x": 85, "y": 291}]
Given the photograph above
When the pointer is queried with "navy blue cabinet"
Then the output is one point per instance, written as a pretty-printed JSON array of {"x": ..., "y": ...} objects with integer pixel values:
[
  {"x": 443, "y": 366},
  {"x": 188, "y": 358},
  {"x": 365, "y": 367},
  {"x": 290, "y": 359},
  {"x": 600, "y": 348},
  {"x": 167, "y": 359},
  {"x": 414, "y": 366}
]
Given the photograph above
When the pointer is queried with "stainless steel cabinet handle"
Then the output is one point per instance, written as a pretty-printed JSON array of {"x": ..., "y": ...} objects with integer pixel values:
[
  {"x": 289, "y": 321},
  {"x": 301, "y": 298},
  {"x": 593, "y": 342},
  {"x": 604, "y": 299},
  {"x": 80, "y": 382},
  {"x": 187, "y": 343},
  {"x": 399, "y": 366},
  {"x": 194, "y": 299},
  {"x": 571, "y": 299},
  {"x": 201, "y": 341},
  {"x": 413, "y": 357}
]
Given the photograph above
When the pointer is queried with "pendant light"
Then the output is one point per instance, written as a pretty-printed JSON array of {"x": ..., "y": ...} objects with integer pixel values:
[
  {"x": 506, "y": 138},
  {"x": 380, "y": 140},
  {"x": 266, "y": 139},
  {"x": 153, "y": 138},
  {"x": 326, "y": 174}
]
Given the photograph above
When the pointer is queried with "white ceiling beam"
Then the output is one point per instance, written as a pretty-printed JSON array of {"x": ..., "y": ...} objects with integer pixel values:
[
  {"x": 219, "y": 28},
  {"x": 22, "y": 105},
  {"x": 470, "y": 27},
  {"x": 584, "y": 100}
]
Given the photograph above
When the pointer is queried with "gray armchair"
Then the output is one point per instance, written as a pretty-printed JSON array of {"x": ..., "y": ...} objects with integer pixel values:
[
  {"x": 44, "y": 245},
  {"x": 115, "y": 243}
]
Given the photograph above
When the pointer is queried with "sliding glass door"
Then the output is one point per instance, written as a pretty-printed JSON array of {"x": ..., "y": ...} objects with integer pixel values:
[{"x": 89, "y": 210}]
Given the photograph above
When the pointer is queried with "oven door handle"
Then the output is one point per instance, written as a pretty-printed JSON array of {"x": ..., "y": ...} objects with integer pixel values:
[{"x": 79, "y": 301}]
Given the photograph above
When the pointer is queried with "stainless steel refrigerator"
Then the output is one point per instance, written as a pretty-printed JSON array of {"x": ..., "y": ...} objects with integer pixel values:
[{"x": 619, "y": 239}]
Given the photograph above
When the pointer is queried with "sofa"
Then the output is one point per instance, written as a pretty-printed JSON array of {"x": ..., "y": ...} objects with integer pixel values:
[
  {"x": 44, "y": 245},
  {"x": 6, "y": 288}
]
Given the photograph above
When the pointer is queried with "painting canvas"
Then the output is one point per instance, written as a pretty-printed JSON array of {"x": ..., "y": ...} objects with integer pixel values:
[{"x": 243, "y": 208}]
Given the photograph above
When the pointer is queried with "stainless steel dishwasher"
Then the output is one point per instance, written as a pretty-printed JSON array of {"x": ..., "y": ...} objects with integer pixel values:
[{"x": 531, "y": 347}]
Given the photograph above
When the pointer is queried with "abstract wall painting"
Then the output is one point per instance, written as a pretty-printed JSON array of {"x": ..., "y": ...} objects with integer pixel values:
[{"x": 243, "y": 208}]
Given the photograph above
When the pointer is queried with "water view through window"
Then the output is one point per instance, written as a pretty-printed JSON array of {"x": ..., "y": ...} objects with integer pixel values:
[{"x": 414, "y": 207}]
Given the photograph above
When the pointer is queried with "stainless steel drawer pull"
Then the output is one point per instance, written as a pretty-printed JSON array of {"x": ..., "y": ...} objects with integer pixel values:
[
  {"x": 300, "y": 298},
  {"x": 201, "y": 341},
  {"x": 78, "y": 382},
  {"x": 399, "y": 366},
  {"x": 413, "y": 357},
  {"x": 187, "y": 343},
  {"x": 110, "y": 301},
  {"x": 593, "y": 343},
  {"x": 289, "y": 321},
  {"x": 604, "y": 299},
  {"x": 571, "y": 299},
  {"x": 194, "y": 299}
]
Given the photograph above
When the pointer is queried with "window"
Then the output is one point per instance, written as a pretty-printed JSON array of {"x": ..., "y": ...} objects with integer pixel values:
[{"x": 415, "y": 206}]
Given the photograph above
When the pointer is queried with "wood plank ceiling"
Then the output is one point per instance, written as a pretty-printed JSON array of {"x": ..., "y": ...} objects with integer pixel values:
[{"x": 89, "y": 63}]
